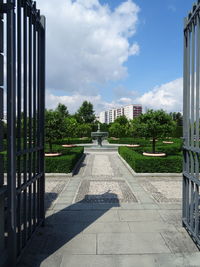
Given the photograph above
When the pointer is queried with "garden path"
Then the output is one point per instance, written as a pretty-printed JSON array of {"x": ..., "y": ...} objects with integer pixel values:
[{"x": 105, "y": 216}]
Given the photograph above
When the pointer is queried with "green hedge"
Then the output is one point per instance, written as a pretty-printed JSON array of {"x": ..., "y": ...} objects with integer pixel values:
[
  {"x": 73, "y": 141},
  {"x": 144, "y": 164},
  {"x": 178, "y": 132},
  {"x": 64, "y": 163},
  {"x": 129, "y": 140},
  {"x": 60, "y": 164}
]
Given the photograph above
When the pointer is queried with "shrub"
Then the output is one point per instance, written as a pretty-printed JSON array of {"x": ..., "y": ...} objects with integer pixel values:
[
  {"x": 143, "y": 164},
  {"x": 64, "y": 163},
  {"x": 73, "y": 141},
  {"x": 129, "y": 140},
  {"x": 178, "y": 132},
  {"x": 61, "y": 164}
]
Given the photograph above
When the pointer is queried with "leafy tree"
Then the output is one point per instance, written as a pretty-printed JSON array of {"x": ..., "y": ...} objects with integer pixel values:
[
  {"x": 62, "y": 109},
  {"x": 154, "y": 124},
  {"x": 54, "y": 127},
  {"x": 122, "y": 120},
  {"x": 117, "y": 130},
  {"x": 86, "y": 113},
  {"x": 84, "y": 130},
  {"x": 177, "y": 117},
  {"x": 71, "y": 126}
]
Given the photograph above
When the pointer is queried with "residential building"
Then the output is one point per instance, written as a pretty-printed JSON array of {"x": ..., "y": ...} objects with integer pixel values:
[{"x": 130, "y": 111}]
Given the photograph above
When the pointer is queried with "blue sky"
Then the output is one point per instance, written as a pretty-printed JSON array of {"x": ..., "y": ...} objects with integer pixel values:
[{"x": 115, "y": 52}]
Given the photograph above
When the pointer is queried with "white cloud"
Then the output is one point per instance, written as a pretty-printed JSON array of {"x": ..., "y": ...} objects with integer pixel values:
[
  {"x": 168, "y": 96},
  {"x": 74, "y": 101},
  {"x": 87, "y": 43}
]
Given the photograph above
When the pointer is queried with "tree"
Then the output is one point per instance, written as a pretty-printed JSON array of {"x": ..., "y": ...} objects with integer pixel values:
[
  {"x": 177, "y": 117},
  {"x": 62, "y": 109},
  {"x": 86, "y": 113},
  {"x": 154, "y": 124},
  {"x": 84, "y": 130},
  {"x": 54, "y": 127},
  {"x": 117, "y": 130},
  {"x": 71, "y": 126},
  {"x": 122, "y": 120}
]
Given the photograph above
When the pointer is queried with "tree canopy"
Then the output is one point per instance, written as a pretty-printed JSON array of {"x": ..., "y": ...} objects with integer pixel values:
[
  {"x": 54, "y": 126},
  {"x": 154, "y": 124},
  {"x": 86, "y": 112},
  {"x": 62, "y": 109}
]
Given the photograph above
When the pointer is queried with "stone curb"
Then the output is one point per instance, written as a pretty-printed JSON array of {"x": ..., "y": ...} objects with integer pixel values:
[
  {"x": 70, "y": 174},
  {"x": 148, "y": 174}
]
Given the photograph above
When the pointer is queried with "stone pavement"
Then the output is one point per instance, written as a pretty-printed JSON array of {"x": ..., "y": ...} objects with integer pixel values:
[{"x": 106, "y": 217}]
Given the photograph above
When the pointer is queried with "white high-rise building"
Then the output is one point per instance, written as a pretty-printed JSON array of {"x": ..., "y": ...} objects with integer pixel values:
[
  {"x": 103, "y": 117},
  {"x": 130, "y": 111}
]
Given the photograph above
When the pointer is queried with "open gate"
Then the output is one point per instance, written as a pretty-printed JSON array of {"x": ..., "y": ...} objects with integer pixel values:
[
  {"x": 22, "y": 86},
  {"x": 191, "y": 181}
]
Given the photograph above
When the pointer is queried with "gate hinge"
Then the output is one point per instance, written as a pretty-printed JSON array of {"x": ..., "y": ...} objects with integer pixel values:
[{"x": 4, "y": 8}]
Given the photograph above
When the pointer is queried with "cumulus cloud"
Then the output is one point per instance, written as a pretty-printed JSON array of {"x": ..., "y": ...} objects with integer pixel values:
[
  {"x": 87, "y": 43},
  {"x": 168, "y": 96},
  {"x": 74, "y": 101}
]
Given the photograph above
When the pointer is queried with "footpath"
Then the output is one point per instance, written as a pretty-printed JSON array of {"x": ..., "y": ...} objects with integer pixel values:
[{"x": 106, "y": 217}]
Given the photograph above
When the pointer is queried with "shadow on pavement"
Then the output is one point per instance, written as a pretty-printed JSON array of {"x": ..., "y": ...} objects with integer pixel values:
[{"x": 63, "y": 226}]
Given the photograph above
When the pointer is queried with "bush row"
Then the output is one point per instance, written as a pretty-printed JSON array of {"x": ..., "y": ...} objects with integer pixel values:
[
  {"x": 144, "y": 164},
  {"x": 64, "y": 163},
  {"x": 60, "y": 164},
  {"x": 129, "y": 140},
  {"x": 64, "y": 141}
]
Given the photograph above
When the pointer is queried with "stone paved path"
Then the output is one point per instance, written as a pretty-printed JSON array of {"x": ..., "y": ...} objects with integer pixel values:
[{"x": 106, "y": 217}]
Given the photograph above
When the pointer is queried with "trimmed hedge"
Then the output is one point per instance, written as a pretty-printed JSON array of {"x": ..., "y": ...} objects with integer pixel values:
[
  {"x": 178, "y": 132},
  {"x": 129, "y": 140},
  {"x": 64, "y": 163},
  {"x": 73, "y": 141},
  {"x": 60, "y": 164},
  {"x": 145, "y": 164}
]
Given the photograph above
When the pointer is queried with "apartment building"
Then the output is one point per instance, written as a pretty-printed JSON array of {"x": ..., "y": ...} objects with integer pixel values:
[{"x": 130, "y": 111}]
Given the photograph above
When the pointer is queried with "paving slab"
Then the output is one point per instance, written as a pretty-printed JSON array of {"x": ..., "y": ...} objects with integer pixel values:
[
  {"x": 131, "y": 243},
  {"x": 110, "y": 228},
  {"x": 139, "y": 215},
  {"x": 88, "y": 261}
]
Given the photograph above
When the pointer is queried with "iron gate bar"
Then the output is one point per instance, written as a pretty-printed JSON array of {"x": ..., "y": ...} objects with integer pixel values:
[
  {"x": 191, "y": 151},
  {"x": 25, "y": 78},
  {"x": 19, "y": 117},
  {"x": 24, "y": 235}
]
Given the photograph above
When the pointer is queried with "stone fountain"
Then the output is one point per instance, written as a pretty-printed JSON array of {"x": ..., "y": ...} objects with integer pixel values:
[{"x": 99, "y": 136}]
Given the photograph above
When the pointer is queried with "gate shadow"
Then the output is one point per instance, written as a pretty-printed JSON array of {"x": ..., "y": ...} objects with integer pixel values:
[{"x": 62, "y": 226}]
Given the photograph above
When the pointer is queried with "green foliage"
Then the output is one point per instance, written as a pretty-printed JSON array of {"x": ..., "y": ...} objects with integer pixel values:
[
  {"x": 177, "y": 117},
  {"x": 84, "y": 130},
  {"x": 65, "y": 141},
  {"x": 154, "y": 124},
  {"x": 143, "y": 164},
  {"x": 62, "y": 109},
  {"x": 122, "y": 120},
  {"x": 85, "y": 113},
  {"x": 178, "y": 132},
  {"x": 64, "y": 163},
  {"x": 129, "y": 140},
  {"x": 117, "y": 130},
  {"x": 71, "y": 126},
  {"x": 54, "y": 126}
]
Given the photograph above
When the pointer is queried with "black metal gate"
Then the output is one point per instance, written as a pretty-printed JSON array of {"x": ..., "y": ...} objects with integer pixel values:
[
  {"x": 191, "y": 181},
  {"x": 22, "y": 84}
]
